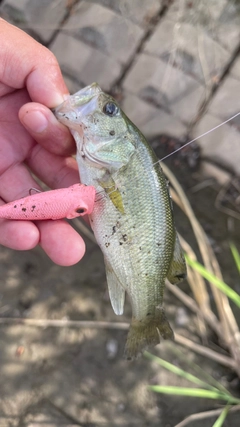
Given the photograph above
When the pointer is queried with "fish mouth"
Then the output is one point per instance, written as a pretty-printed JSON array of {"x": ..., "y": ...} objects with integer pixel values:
[{"x": 72, "y": 111}]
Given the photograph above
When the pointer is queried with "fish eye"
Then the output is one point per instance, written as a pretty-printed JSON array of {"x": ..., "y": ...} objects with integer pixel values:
[{"x": 110, "y": 109}]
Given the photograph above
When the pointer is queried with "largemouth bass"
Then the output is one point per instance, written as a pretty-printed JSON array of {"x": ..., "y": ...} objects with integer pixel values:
[{"x": 132, "y": 218}]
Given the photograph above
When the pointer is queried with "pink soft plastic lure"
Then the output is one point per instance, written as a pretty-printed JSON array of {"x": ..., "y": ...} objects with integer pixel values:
[{"x": 70, "y": 202}]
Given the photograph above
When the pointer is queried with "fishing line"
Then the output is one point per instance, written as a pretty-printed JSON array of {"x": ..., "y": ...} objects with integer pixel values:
[
  {"x": 198, "y": 137},
  {"x": 103, "y": 193}
]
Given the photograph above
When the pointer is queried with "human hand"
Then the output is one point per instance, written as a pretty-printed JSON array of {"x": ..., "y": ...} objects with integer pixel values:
[{"x": 32, "y": 140}]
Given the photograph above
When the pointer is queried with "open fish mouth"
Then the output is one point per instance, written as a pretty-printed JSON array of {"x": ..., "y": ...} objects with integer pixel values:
[{"x": 73, "y": 110}]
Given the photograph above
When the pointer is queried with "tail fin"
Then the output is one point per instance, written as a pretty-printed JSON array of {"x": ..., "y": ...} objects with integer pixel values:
[{"x": 146, "y": 333}]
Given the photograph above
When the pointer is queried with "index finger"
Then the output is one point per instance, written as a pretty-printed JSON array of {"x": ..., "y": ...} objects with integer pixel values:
[{"x": 25, "y": 62}]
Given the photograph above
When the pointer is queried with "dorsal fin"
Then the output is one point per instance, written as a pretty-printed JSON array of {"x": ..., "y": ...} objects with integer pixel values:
[{"x": 177, "y": 270}]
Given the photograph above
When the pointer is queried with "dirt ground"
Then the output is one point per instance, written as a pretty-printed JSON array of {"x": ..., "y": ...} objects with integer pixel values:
[{"x": 77, "y": 377}]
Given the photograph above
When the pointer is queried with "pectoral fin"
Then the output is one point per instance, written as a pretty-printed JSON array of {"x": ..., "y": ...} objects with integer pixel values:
[
  {"x": 114, "y": 194},
  {"x": 115, "y": 289},
  {"x": 177, "y": 271}
]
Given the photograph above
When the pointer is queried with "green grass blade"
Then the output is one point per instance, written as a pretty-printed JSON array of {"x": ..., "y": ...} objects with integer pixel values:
[
  {"x": 236, "y": 255},
  {"x": 219, "y": 422},
  {"x": 207, "y": 378},
  {"x": 229, "y": 292},
  {"x": 178, "y": 371},
  {"x": 194, "y": 392}
]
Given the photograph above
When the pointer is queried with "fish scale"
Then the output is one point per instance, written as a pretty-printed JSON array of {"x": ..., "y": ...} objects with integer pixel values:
[
  {"x": 133, "y": 221},
  {"x": 142, "y": 211}
]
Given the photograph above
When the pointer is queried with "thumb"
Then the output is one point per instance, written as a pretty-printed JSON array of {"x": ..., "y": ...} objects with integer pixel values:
[{"x": 25, "y": 62}]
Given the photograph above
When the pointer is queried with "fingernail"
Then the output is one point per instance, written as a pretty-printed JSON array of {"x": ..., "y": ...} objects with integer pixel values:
[
  {"x": 58, "y": 99},
  {"x": 35, "y": 121}
]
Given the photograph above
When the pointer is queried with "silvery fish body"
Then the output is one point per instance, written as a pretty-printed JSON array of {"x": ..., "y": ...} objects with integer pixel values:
[{"x": 132, "y": 218}]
